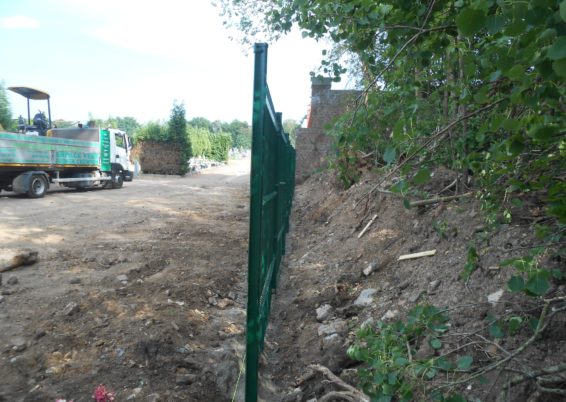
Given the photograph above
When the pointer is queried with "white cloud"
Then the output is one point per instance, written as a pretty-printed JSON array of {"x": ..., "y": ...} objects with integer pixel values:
[{"x": 18, "y": 22}]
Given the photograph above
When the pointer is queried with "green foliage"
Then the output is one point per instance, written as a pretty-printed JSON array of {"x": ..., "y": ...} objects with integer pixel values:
[
  {"x": 152, "y": 131},
  {"x": 204, "y": 143},
  {"x": 530, "y": 279},
  {"x": 392, "y": 369},
  {"x": 5, "y": 111},
  {"x": 290, "y": 126},
  {"x": 220, "y": 146},
  {"x": 496, "y": 69},
  {"x": 127, "y": 124},
  {"x": 177, "y": 133},
  {"x": 200, "y": 140},
  {"x": 240, "y": 131},
  {"x": 472, "y": 261}
]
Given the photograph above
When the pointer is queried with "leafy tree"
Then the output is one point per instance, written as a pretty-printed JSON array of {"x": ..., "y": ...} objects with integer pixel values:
[
  {"x": 290, "y": 126},
  {"x": 475, "y": 85},
  {"x": 177, "y": 133},
  {"x": 220, "y": 144},
  {"x": 5, "y": 111},
  {"x": 200, "y": 122},
  {"x": 127, "y": 124},
  {"x": 241, "y": 133},
  {"x": 199, "y": 138},
  {"x": 152, "y": 131}
]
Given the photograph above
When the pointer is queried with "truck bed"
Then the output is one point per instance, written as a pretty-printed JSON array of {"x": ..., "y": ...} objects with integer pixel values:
[{"x": 19, "y": 150}]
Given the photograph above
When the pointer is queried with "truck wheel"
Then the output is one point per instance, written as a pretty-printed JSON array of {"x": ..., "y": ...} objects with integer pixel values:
[
  {"x": 118, "y": 180},
  {"x": 37, "y": 186}
]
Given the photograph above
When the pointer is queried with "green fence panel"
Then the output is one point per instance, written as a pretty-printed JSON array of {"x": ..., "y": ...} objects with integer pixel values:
[{"x": 271, "y": 197}]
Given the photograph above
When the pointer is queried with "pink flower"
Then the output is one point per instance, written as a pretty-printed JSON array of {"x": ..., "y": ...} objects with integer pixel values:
[{"x": 101, "y": 394}]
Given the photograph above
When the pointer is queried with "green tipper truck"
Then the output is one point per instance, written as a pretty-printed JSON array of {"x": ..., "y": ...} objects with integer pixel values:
[{"x": 73, "y": 157}]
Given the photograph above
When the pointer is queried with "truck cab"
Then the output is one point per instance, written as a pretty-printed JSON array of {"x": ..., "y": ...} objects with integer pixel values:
[{"x": 121, "y": 146}]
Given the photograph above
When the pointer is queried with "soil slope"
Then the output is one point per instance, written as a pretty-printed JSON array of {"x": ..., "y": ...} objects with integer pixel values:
[{"x": 325, "y": 264}]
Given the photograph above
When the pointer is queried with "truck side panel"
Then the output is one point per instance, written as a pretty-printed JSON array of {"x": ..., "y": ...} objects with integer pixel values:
[{"x": 25, "y": 150}]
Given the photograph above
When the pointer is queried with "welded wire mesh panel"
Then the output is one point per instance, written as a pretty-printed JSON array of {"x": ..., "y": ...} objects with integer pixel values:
[{"x": 271, "y": 196}]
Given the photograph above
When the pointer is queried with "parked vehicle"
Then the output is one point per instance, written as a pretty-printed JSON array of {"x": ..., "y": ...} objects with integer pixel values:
[{"x": 80, "y": 157}]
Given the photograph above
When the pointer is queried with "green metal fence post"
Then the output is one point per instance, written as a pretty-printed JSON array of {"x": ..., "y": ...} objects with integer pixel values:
[{"x": 254, "y": 252}]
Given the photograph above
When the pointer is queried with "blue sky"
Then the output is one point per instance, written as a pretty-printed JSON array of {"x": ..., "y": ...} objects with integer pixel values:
[{"x": 134, "y": 58}]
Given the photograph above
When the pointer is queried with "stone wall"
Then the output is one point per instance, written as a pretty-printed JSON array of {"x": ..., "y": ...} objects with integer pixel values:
[{"x": 312, "y": 144}]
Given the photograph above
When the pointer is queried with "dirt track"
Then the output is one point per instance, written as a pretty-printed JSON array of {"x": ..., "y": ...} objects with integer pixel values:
[{"x": 72, "y": 321}]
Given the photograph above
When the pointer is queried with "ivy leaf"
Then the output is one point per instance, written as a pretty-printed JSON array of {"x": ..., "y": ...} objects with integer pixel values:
[
  {"x": 470, "y": 21},
  {"x": 538, "y": 282},
  {"x": 465, "y": 362},
  {"x": 444, "y": 364},
  {"x": 390, "y": 155},
  {"x": 559, "y": 67},
  {"x": 558, "y": 50},
  {"x": 496, "y": 331},
  {"x": 514, "y": 325},
  {"x": 406, "y": 203},
  {"x": 422, "y": 176},
  {"x": 435, "y": 343},
  {"x": 516, "y": 284},
  {"x": 543, "y": 133}
]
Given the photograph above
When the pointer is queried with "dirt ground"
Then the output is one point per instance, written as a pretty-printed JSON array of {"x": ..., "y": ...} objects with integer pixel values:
[
  {"x": 140, "y": 289},
  {"x": 143, "y": 290},
  {"x": 324, "y": 268}
]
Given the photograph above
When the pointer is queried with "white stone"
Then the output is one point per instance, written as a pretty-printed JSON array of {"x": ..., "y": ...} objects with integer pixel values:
[
  {"x": 365, "y": 298},
  {"x": 389, "y": 315},
  {"x": 495, "y": 296},
  {"x": 324, "y": 312},
  {"x": 334, "y": 327}
]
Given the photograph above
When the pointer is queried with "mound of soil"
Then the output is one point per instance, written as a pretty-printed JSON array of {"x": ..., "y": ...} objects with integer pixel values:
[{"x": 324, "y": 296}]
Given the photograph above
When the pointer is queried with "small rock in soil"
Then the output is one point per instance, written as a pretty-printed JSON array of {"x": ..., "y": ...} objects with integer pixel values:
[
  {"x": 415, "y": 296},
  {"x": 372, "y": 267},
  {"x": 39, "y": 333},
  {"x": 294, "y": 396},
  {"x": 389, "y": 315},
  {"x": 153, "y": 398},
  {"x": 331, "y": 340},
  {"x": 336, "y": 326},
  {"x": 366, "y": 297},
  {"x": 122, "y": 278},
  {"x": 212, "y": 301},
  {"x": 12, "y": 280},
  {"x": 71, "y": 308},
  {"x": 495, "y": 296},
  {"x": 432, "y": 286},
  {"x": 1, "y": 299},
  {"x": 185, "y": 378},
  {"x": 19, "y": 348},
  {"x": 134, "y": 394},
  {"x": 324, "y": 312},
  {"x": 75, "y": 281},
  {"x": 223, "y": 303}
]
